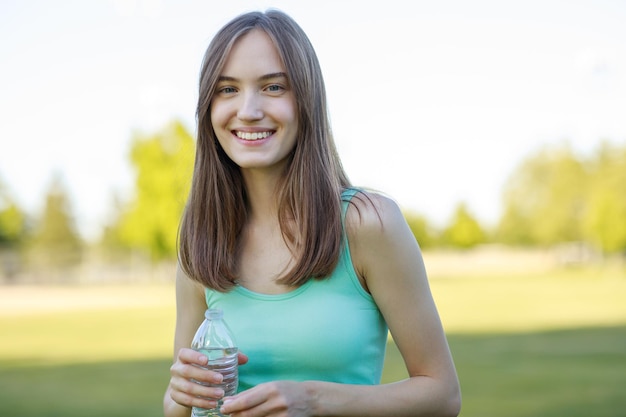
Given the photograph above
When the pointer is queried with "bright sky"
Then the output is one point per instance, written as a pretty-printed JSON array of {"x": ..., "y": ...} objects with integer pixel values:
[{"x": 432, "y": 102}]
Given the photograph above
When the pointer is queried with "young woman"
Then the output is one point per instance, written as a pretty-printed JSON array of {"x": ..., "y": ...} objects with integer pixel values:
[{"x": 310, "y": 272}]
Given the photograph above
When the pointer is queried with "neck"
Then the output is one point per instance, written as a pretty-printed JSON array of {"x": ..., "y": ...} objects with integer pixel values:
[{"x": 261, "y": 190}]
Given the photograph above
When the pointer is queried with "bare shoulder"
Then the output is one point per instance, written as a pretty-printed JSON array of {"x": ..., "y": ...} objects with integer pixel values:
[
  {"x": 371, "y": 214},
  {"x": 378, "y": 235}
]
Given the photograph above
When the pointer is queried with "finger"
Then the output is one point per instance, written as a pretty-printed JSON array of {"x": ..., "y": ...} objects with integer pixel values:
[
  {"x": 242, "y": 358},
  {"x": 196, "y": 372},
  {"x": 187, "y": 400},
  {"x": 191, "y": 356},
  {"x": 242, "y": 401},
  {"x": 197, "y": 389}
]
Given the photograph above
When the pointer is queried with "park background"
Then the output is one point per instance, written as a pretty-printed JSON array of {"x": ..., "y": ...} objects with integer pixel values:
[{"x": 497, "y": 126}]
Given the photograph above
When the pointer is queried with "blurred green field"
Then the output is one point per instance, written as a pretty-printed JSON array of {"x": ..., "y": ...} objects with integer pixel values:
[{"x": 543, "y": 345}]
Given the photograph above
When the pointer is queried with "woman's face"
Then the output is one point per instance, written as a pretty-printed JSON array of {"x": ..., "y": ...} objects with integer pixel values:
[{"x": 253, "y": 111}]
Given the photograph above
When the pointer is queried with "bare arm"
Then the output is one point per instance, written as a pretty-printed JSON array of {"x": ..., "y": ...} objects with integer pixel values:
[{"x": 181, "y": 392}]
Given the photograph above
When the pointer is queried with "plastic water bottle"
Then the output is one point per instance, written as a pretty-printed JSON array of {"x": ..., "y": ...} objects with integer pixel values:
[{"x": 215, "y": 340}]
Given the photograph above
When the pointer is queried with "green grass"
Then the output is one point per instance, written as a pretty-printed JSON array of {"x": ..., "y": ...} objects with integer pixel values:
[
  {"x": 102, "y": 389},
  {"x": 573, "y": 373},
  {"x": 524, "y": 346}
]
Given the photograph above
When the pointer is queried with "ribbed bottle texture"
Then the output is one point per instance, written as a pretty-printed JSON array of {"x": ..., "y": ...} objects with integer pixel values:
[{"x": 215, "y": 340}]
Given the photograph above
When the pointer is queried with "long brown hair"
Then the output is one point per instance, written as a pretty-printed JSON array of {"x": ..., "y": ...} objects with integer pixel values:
[{"x": 309, "y": 193}]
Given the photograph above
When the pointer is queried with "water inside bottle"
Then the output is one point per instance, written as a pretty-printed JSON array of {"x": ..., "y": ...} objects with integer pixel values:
[{"x": 224, "y": 361}]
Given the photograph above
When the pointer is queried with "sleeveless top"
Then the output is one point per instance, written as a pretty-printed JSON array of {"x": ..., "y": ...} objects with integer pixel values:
[{"x": 326, "y": 330}]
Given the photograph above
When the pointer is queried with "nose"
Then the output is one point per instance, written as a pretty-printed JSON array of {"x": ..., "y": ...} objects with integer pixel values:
[{"x": 250, "y": 107}]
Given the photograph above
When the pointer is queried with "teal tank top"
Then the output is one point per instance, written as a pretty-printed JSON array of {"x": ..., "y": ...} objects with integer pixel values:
[{"x": 325, "y": 330}]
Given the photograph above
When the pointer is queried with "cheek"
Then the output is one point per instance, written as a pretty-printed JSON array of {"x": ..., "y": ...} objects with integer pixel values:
[
  {"x": 221, "y": 112},
  {"x": 288, "y": 114},
  {"x": 215, "y": 116},
  {"x": 218, "y": 123}
]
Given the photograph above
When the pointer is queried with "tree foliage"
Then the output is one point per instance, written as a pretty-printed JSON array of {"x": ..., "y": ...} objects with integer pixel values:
[
  {"x": 544, "y": 199},
  {"x": 12, "y": 220},
  {"x": 163, "y": 164},
  {"x": 555, "y": 196},
  {"x": 423, "y": 232},
  {"x": 56, "y": 242},
  {"x": 464, "y": 230},
  {"x": 605, "y": 216}
]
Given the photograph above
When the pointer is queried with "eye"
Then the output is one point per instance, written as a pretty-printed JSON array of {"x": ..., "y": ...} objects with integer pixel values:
[
  {"x": 226, "y": 90},
  {"x": 275, "y": 88}
]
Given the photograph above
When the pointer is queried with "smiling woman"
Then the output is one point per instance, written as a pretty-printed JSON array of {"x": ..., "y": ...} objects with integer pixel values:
[
  {"x": 254, "y": 109},
  {"x": 311, "y": 273}
]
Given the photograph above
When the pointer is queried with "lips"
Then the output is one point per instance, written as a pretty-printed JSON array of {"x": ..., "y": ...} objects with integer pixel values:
[{"x": 251, "y": 136}]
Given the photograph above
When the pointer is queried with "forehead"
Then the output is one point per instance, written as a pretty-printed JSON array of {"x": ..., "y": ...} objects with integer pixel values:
[{"x": 253, "y": 53}]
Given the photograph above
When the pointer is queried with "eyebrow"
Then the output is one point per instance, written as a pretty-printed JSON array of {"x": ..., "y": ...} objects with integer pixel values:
[{"x": 261, "y": 78}]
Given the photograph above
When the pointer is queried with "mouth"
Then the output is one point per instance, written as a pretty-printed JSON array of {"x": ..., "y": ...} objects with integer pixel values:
[{"x": 252, "y": 136}]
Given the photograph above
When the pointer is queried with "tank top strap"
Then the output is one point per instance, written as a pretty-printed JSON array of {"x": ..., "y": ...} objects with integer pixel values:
[{"x": 346, "y": 196}]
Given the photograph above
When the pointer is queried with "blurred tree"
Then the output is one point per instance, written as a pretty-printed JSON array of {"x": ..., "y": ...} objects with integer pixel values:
[
  {"x": 464, "y": 231},
  {"x": 111, "y": 242},
  {"x": 12, "y": 220},
  {"x": 13, "y": 231},
  {"x": 544, "y": 199},
  {"x": 163, "y": 164},
  {"x": 56, "y": 242},
  {"x": 423, "y": 232},
  {"x": 514, "y": 228},
  {"x": 605, "y": 218}
]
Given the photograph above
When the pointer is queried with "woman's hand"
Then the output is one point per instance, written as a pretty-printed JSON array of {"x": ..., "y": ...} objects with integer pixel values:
[
  {"x": 183, "y": 386},
  {"x": 189, "y": 381},
  {"x": 280, "y": 398}
]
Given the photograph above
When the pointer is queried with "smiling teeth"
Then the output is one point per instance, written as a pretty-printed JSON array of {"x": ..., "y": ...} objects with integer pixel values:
[{"x": 252, "y": 136}]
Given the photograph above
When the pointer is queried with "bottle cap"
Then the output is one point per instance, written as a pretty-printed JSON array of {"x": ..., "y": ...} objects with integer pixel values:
[{"x": 214, "y": 313}]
